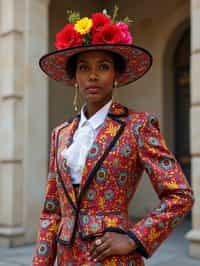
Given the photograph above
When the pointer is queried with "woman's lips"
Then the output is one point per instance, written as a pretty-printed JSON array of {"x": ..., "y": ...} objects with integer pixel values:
[{"x": 92, "y": 89}]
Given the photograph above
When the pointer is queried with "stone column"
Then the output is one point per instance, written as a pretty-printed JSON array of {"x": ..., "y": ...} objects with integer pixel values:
[
  {"x": 36, "y": 114},
  {"x": 11, "y": 121},
  {"x": 23, "y": 118},
  {"x": 194, "y": 235}
]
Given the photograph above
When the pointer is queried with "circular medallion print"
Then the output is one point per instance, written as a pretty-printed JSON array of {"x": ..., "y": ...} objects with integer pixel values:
[
  {"x": 152, "y": 120},
  {"x": 153, "y": 141},
  {"x": 64, "y": 165},
  {"x": 43, "y": 249},
  {"x": 85, "y": 219},
  {"x": 122, "y": 178},
  {"x": 149, "y": 222},
  {"x": 91, "y": 194},
  {"x": 45, "y": 224},
  {"x": 166, "y": 163},
  {"x": 109, "y": 194},
  {"x": 50, "y": 205},
  {"x": 101, "y": 175},
  {"x": 136, "y": 128},
  {"x": 126, "y": 151},
  {"x": 94, "y": 151}
]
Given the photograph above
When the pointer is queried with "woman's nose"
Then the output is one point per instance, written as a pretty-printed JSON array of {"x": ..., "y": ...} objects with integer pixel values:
[{"x": 93, "y": 75}]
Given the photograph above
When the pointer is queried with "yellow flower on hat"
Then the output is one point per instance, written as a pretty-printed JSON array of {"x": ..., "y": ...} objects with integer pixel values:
[{"x": 83, "y": 26}]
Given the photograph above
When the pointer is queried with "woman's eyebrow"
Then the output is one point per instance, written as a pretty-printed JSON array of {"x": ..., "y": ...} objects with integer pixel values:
[
  {"x": 81, "y": 61},
  {"x": 98, "y": 61},
  {"x": 105, "y": 60}
]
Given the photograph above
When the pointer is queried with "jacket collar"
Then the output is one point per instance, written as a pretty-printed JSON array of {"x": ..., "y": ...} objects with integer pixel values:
[
  {"x": 116, "y": 110},
  {"x": 98, "y": 118}
]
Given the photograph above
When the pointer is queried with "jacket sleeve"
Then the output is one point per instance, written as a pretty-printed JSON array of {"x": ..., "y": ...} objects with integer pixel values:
[
  {"x": 45, "y": 249},
  {"x": 170, "y": 184}
]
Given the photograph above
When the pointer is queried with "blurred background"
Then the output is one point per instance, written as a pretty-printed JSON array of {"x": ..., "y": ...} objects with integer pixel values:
[{"x": 31, "y": 105}]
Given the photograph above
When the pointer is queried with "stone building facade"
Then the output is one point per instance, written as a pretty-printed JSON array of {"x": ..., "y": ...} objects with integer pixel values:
[{"x": 31, "y": 105}]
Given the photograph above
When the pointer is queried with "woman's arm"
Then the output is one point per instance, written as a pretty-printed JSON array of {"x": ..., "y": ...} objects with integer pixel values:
[
  {"x": 170, "y": 184},
  {"x": 45, "y": 249}
]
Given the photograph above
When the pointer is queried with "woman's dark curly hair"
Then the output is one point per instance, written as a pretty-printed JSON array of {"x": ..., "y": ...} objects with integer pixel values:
[{"x": 119, "y": 64}]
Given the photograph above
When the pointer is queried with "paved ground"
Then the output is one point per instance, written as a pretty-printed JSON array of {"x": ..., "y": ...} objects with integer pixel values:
[{"x": 174, "y": 252}]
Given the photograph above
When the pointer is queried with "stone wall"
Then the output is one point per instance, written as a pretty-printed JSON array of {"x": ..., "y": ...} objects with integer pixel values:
[{"x": 194, "y": 235}]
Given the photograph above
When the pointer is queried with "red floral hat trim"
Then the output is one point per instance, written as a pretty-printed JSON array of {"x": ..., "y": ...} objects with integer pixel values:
[{"x": 100, "y": 32}]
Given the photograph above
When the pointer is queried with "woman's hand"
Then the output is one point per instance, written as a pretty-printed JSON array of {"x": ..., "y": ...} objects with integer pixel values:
[{"x": 111, "y": 243}]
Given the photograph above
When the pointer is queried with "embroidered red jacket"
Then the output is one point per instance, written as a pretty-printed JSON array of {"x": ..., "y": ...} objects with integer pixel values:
[{"x": 128, "y": 143}]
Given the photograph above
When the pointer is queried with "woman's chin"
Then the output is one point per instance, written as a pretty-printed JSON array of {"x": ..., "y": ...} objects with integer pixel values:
[{"x": 93, "y": 98}]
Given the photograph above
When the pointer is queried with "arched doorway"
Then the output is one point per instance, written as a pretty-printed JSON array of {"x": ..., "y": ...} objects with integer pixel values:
[{"x": 182, "y": 102}]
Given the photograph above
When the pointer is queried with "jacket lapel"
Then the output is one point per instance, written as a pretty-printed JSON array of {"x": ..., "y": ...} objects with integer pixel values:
[
  {"x": 105, "y": 140},
  {"x": 64, "y": 140}
]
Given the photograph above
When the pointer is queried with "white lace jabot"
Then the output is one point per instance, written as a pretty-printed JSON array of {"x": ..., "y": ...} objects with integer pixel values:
[{"x": 83, "y": 138}]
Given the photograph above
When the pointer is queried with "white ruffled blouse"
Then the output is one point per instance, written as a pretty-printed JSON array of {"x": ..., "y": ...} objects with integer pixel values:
[{"x": 83, "y": 138}]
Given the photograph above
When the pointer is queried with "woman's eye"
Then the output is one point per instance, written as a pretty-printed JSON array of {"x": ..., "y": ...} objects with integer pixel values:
[
  {"x": 104, "y": 67},
  {"x": 83, "y": 67}
]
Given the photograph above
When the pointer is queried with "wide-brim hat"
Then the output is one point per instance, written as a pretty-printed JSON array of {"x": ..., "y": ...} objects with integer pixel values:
[{"x": 137, "y": 59}]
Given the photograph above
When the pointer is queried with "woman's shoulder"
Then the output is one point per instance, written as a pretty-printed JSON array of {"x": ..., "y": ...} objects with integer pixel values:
[
  {"x": 141, "y": 115},
  {"x": 64, "y": 124},
  {"x": 144, "y": 119}
]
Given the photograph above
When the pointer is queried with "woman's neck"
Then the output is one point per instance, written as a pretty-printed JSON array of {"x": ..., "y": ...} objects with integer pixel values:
[{"x": 92, "y": 108}]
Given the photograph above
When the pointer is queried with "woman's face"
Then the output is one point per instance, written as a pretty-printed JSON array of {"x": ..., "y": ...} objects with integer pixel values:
[{"x": 95, "y": 75}]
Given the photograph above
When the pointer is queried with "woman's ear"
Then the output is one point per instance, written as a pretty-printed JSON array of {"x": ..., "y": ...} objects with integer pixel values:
[{"x": 117, "y": 76}]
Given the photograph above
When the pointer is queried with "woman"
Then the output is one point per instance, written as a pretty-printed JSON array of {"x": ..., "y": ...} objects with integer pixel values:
[{"x": 98, "y": 157}]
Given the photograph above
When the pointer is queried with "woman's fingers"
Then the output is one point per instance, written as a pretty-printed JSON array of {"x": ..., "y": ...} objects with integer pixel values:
[
  {"x": 97, "y": 242},
  {"x": 109, "y": 244},
  {"x": 100, "y": 247},
  {"x": 99, "y": 250},
  {"x": 102, "y": 255}
]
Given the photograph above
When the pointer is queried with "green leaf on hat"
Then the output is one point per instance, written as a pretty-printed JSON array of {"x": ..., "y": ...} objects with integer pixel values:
[
  {"x": 73, "y": 16},
  {"x": 127, "y": 20}
]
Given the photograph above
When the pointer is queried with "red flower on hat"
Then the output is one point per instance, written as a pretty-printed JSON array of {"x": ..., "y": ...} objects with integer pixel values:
[
  {"x": 99, "y": 20},
  {"x": 68, "y": 37},
  {"x": 109, "y": 33},
  {"x": 125, "y": 34}
]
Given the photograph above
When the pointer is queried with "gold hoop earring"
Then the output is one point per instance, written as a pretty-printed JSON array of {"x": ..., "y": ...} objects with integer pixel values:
[
  {"x": 114, "y": 94},
  {"x": 75, "y": 101}
]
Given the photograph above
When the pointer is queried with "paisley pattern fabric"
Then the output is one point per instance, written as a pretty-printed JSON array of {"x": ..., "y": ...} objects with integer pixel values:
[{"x": 128, "y": 143}]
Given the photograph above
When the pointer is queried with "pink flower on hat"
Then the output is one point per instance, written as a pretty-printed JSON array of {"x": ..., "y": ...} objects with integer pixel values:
[
  {"x": 68, "y": 37},
  {"x": 126, "y": 37}
]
